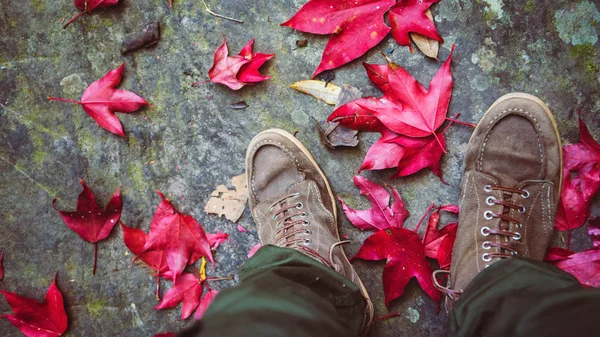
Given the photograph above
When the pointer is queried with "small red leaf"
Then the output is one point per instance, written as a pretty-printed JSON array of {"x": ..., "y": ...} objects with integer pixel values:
[
  {"x": 248, "y": 73},
  {"x": 225, "y": 68},
  {"x": 205, "y": 302},
  {"x": 356, "y": 26},
  {"x": 187, "y": 291},
  {"x": 181, "y": 237},
  {"x": 408, "y": 16},
  {"x": 166, "y": 334},
  {"x": 381, "y": 215},
  {"x": 254, "y": 249},
  {"x": 439, "y": 243},
  {"x": 101, "y": 100},
  {"x": 405, "y": 256},
  {"x": 90, "y": 222},
  {"x": 38, "y": 319},
  {"x": 215, "y": 240}
]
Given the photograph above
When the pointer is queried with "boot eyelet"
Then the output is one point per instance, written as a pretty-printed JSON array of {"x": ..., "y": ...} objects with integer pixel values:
[
  {"x": 274, "y": 217},
  {"x": 299, "y": 205},
  {"x": 486, "y": 245},
  {"x": 307, "y": 242},
  {"x": 297, "y": 194},
  {"x": 308, "y": 232},
  {"x": 514, "y": 253},
  {"x": 487, "y": 188},
  {"x": 520, "y": 226},
  {"x": 522, "y": 209},
  {"x": 303, "y": 215},
  {"x": 517, "y": 236},
  {"x": 525, "y": 194},
  {"x": 485, "y": 231},
  {"x": 306, "y": 223},
  {"x": 486, "y": 257},
  {"x": 486, "y": 266},
  {"x": 488, "y": 215},
  {"x": 491, "y": 201}
]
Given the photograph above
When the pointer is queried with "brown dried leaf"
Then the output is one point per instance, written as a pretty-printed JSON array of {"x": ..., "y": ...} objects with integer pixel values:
[
  {"x": 229, "y": 203},
  {"x": 429, "y": 47},
  {"x": 145, "y": 39},
  {"x": 332, "y": 134}
]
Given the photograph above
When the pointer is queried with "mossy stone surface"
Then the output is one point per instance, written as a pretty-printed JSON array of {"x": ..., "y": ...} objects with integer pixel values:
[{"x": 189, "y": 140}]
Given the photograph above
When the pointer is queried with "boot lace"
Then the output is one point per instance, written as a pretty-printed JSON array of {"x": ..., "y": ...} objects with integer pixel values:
[
  {"x": 505, "y": 249},
  {"x": 290, "y": 222}
]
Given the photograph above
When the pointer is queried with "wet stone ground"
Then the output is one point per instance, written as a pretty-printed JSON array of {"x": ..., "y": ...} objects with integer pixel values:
[{"x": 189, "y": 140}]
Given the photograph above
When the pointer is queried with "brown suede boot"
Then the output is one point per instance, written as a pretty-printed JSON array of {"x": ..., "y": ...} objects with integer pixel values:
[
  {"x": 293, "y": 205},
  {"x": 510, "y": 189}
]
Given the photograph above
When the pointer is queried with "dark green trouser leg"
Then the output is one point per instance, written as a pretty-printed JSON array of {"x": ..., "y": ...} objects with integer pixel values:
[
  {"x": 518, "y": 297},
  {"x": 284, "y": 293}
]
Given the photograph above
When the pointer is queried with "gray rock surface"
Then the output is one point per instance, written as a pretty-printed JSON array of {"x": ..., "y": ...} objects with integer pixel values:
[{"x": 189, "y": 140}]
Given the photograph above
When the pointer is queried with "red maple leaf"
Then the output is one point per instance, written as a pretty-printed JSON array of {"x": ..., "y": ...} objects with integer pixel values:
[
  {"x": 585, "y": 266},
  {"x": 581, "y": 181},
  {"x": 216, "y": 239},
  {"x": 187, "y": 291},
  {"x": 205, "y": 302},
  {"x": 407, "y": 154},
  {"x": 180, "y": 236},
  {"x": 381, "y": 215},
  {"x": 90, "y": 222},
  {"x": 156, "y": 260},
  {"x": 355, "y": 27},
  {"x": 166, "y": 334},
  {"x": 38, "y": 319},
  {"x": 408, "y": 16},
  {"x": 439, "y": 243},
  {"x": 101, "y": 100},
  {"x": 412, "y": 110},
  {"x": 405, "y": 258},
  {"x": 248, "y": 73},
  {"x": 87, "y": 6}
]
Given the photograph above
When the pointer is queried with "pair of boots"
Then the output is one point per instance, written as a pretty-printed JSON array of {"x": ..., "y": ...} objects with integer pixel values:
[{"x": 509, "y": 193}]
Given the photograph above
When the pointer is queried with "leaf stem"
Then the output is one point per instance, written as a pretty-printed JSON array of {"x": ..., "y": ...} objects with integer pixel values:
[
  {"x": 382, "y": 318},
  {"x": 200, "y": 82},
  {"x": 95, "y": 257},
  {"x": 73, "y": 19},
  {"x": 228, "y": 278},
  {"x": 461, "y": 122},
  {"x": 439, "y": 142},
  {"x": 63, "y": 100},
  {"x": 569, "y": 239},
  {"x": 157, "y": 287},
  {"x": 423, "y": 218},
  {"x": 219, "y": 15}
]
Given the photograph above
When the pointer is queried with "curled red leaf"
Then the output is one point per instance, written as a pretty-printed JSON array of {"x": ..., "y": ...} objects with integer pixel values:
[{"x": 38, "y": 319}]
